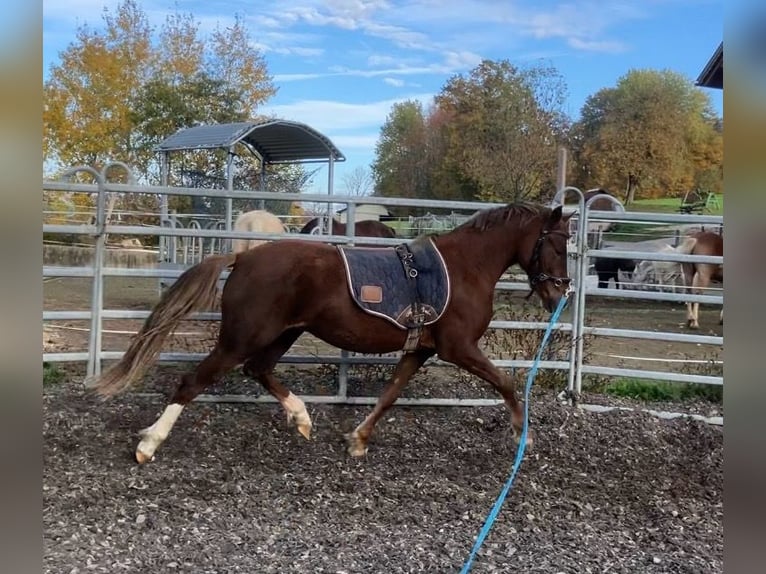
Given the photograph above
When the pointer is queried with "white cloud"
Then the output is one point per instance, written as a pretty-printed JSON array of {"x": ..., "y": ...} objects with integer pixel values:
[
  {"x": 331, "y": 117},
  {"x": 364, "y": 142},
  {"x": 597, "y": 46},
  {"x": 396, "y": 82}
]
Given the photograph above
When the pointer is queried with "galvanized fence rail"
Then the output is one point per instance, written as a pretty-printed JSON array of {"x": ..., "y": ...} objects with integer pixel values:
[{"x": 578, "y": 252}]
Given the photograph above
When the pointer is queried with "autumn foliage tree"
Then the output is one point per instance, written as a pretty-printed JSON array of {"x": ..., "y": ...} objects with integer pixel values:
[
  {"x": 489, "y": 135},
  {"x": 654, "y": 134},
  {"x": 505, "y": 125},
  {"x": 118, "y": 92}
]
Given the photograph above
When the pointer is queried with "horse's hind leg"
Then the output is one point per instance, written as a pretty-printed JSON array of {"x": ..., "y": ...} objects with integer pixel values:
[
  {"x": 192, "y": 384},
  {"x": 261, "y": 366},
  {"x": 693, "y": 309},
  {"x": 405, "y": 368},
  {"x": 294, "y": 407}
]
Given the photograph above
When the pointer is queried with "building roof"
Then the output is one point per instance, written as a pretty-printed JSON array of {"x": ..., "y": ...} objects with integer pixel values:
[
  {"x": 369, "y": 207},
  {"x": 712, "y": 75},
  {"x": 275, "y": 141}
]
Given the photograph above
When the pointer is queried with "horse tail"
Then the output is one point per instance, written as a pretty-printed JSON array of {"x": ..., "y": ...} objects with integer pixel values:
[{"x": 195, "y": 289}]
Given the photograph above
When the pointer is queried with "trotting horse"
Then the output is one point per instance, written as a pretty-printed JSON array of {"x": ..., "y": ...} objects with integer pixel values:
[
  {"x": 285, "y": 288},
  {"x": 364, "y": 228},
  {"x": 256, "y": 221},
  {"x": 697, "y": 276}
]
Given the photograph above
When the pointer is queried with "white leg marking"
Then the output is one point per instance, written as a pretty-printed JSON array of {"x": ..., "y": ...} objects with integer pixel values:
[
  {"x": 296, "y": 411},
  {"x": 153, "y": 436}
]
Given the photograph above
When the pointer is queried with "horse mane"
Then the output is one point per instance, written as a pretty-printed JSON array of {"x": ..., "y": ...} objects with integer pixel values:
[{"x": 487, "y": 218}]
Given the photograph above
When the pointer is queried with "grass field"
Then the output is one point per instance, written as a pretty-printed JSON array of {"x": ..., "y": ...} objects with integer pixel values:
[{"x": 671, "y": 205}]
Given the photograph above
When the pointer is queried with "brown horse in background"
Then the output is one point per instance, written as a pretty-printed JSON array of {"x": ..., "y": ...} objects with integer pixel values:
[
  {"x": 364, "y": 228},
  {"x": 284, "y": 288},
  {"x": 698, "y": 276}
]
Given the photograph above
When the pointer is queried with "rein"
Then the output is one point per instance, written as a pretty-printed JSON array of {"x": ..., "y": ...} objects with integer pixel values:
[
  {"x": 538, "y": 278},
  {"x": 522, "y": 443}
]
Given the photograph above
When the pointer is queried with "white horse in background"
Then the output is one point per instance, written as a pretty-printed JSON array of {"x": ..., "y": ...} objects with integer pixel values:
[
  {"x": 257, "y": 221},
  {"x": 666, "y": 276}
]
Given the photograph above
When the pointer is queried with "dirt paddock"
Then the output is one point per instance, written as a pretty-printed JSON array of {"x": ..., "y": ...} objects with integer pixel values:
[{"x": 234, "y": 489}]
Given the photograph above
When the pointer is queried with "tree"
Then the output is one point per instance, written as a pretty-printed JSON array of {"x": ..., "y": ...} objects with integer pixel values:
[
  {"x": 116, "y": 93},
  {"x": 491, "y": 135},
  {"x": 358, "y": 182},
  {"x": 654, "y": 133},
  {"x": 240, "y": 66},
  {"x": 504, "y": 127},
  {"x": 87, "y": 115},
  {"x": 399, "y": 168}
]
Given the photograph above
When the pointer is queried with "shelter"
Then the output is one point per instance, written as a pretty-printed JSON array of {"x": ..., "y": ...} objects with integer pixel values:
[
  {"x": 272, "y": 141},
  {"x": 712, "y": 74}
]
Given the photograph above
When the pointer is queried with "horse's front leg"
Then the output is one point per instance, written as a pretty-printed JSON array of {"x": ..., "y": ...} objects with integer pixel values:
[
  {"x": 475, "y": 362},
  {"x": 405, "y": 368}
]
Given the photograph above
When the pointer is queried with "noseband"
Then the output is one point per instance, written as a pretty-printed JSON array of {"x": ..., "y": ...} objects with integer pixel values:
[{"x": 538, "y": 278}]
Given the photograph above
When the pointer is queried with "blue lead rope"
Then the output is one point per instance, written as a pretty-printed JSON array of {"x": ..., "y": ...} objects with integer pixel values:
[{"x": 522, "y": 445}]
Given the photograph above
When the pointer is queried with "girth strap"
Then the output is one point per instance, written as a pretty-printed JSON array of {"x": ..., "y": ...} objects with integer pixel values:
[{"x": 417, "y": 317}]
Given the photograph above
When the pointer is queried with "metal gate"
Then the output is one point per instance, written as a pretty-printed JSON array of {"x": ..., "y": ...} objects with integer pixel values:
[{"x": 579, "y": 254}]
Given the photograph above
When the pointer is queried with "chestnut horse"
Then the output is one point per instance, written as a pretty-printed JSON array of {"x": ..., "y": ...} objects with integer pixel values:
[
  {"x": 285, "y": 288},
  {"x": 697, "y": 276},
  {"x": 364, "y": 228}
]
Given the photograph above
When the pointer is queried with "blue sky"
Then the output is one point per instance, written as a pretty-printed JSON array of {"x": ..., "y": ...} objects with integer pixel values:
[{"x": 339, "y": 65}]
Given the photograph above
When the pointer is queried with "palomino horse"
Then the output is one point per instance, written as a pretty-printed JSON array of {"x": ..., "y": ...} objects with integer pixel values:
[
  {"x": 364, "y": 228},
  {"x": 285, "y": 288},
  {"x": 258, "y": 221},
  {"x": 697, "y": 276}
]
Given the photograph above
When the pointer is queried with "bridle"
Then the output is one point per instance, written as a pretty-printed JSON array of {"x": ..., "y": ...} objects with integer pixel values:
[{"x": 538, "y": 278}]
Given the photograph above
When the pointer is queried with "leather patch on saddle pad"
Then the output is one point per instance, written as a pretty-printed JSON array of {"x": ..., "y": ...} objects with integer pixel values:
[
  {"x": 371, "y": 294},
  {"x": 378, "y": 285}
]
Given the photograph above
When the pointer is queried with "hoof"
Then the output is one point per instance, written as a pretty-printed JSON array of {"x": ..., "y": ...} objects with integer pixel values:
[
  {"x": 305, "y": 430},
  {"x": 691, "y": 325},
  {"x": 302, "y": 422},
  {"x": 530, "y": 438},
  {"x": 356, "y": 447},
  {"x": 143, "y": 458}
]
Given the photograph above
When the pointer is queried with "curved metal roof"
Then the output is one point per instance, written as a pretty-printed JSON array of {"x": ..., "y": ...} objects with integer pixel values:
[
  {"x": 712, "y": 75},
  {"x": 276, "y": 141}
]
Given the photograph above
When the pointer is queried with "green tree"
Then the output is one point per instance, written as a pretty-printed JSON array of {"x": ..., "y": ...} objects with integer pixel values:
[
  {"x": 504, "y": 126},
  {"x": 653, "y": 134},
  {"x": 399, "y": 168}
]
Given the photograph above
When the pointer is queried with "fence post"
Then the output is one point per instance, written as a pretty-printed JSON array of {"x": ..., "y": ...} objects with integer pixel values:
[
  {"x": 344, "y": 355},
  {"x": 578, "y": 254}
]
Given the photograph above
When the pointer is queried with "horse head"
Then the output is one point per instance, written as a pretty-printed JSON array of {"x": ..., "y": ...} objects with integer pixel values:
[{"x": 547, "y": 267}]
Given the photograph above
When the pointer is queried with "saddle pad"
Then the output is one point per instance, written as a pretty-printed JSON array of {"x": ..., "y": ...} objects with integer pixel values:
[{"x": 378, "y": 284}]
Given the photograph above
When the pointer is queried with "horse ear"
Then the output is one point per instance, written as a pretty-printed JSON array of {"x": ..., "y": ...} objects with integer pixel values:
[{"x": 556, "y": 215}]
